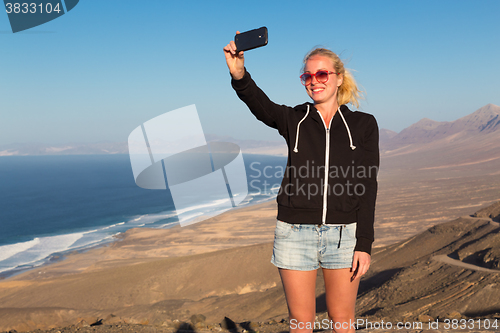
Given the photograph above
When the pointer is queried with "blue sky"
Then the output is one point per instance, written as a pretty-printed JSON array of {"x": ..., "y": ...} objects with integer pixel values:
[{"x": 107, "y": 66}]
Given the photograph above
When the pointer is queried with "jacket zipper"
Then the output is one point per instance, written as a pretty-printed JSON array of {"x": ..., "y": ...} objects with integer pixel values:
[{"x": 327, "y": 166}]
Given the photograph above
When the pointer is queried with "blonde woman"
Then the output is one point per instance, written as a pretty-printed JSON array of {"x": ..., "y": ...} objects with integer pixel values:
[{"x": 326, "y": 202}]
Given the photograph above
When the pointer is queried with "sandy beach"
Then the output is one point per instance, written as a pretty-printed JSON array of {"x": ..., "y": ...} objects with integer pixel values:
[
  {"x": 129, "y": 278},
  {"x": 214, "y": 274},
  {"x": 202, "y": 273}
]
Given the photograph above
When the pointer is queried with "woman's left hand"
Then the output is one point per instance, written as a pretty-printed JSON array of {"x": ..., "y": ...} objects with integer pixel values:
[{"x": 360, "y": 264}]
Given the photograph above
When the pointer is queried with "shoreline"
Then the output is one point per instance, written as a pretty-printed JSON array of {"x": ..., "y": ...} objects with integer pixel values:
[
  {"x": 31, "y": 239},
  {"x": 61, "y": 256},
  {"x": 147, "y": 268},
  {"x": 212, "y": 269},
  {"x": 112, "y": 291},
  {"x": 143, "y": 243}
]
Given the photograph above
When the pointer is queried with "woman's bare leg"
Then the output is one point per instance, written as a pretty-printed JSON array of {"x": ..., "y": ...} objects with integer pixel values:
[
  {"x": 300, "y": 292},
  {"x": 341, "y": 295}
]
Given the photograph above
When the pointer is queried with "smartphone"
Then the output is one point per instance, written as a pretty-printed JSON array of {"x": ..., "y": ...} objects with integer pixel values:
[{"x": 251, "y": 39}]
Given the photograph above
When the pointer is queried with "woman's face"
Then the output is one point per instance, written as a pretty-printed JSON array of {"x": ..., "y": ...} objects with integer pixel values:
[{"x": 322, "y": 92}]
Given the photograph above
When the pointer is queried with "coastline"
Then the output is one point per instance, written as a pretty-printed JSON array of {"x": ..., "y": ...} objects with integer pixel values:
[
  {"x": 83, "y": 216},
  {"x": 143, "y": 243},
  {"x": 98, "y": 282},
  {"x": 216, "y": 268},
  {"x": 206, "y": 276}
]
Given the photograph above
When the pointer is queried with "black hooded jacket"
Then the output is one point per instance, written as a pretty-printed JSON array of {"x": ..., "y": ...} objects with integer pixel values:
[{"x": 347, "y": 150}]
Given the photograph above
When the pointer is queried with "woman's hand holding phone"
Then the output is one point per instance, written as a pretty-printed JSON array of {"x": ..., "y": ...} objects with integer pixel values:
[{"x": 235, "y": 61}]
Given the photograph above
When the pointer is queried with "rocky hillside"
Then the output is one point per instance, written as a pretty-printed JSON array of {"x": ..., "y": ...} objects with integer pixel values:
[
  {"x": 452, "y": 269},
  {"x": 492, "y": 212}
]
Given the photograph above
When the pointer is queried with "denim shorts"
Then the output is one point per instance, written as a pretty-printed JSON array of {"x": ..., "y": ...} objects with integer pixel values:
[{"x": 307, "y": 247}]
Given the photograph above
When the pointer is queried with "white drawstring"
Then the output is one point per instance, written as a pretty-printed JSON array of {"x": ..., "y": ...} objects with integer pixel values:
[
  {"x": 295, "y": 149},
  {"x": 348, "y": 131}
]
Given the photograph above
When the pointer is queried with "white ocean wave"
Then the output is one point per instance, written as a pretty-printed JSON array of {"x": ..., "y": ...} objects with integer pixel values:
[
  {"x": 7, "y": 251},
  {"x": 44, "y": 247}
]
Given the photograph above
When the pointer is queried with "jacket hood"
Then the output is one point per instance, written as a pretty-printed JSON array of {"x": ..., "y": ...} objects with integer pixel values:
[{"x": 342, "y": 109}]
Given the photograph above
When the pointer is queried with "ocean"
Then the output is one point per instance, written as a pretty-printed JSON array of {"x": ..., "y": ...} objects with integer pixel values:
[{"x": 50, "y": 205}]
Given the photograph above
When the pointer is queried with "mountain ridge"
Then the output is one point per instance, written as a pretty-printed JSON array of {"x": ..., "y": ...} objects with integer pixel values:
[{"x": 484, "y": 121}]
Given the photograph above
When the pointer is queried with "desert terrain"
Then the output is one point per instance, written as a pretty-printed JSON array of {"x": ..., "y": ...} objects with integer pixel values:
[{"x": 436, "y": 255}]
